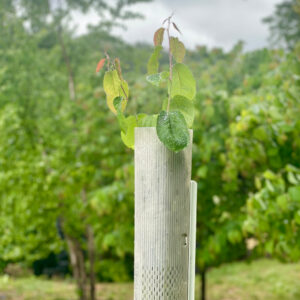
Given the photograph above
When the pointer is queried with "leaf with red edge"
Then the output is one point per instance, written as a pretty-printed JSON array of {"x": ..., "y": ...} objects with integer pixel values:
[
  {"x": 159, "y": 36},
  {"x": 100, "y": 65}
]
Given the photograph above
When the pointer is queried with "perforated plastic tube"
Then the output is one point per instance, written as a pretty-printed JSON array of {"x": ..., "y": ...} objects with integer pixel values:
[{"x": 162, "y": 219}]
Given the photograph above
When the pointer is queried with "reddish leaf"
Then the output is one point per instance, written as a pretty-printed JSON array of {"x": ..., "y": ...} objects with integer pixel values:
[
  {"x": 175, "y": 26},
  {"x": 100, "y": 65},
  {"x": 159, "y": 36}
]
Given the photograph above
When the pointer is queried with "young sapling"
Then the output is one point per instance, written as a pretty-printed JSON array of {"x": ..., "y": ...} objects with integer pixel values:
[{"x": 177, "y": 114}]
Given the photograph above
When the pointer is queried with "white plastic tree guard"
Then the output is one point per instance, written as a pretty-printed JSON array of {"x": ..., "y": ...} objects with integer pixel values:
[{"x": 165, "y": 220}]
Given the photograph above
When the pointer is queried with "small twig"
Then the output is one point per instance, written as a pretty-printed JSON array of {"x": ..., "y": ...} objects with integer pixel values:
[
  {"x": 169, "y": 18},
  {"x": 106, "y": 54},
  {"x": 108, "y": 59}
]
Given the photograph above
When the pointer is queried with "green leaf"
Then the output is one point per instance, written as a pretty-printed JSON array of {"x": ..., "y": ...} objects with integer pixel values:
[
  {"x": 147, "y": 120},
  {"x": 111, "y": 82},
  {"x": 234, "y": 236},
  {"x": 140, "y": 117},
  {"x": 183, "y": 82},
  {"x": 257, "y": 182},
  {"x": 128, "y": 136},
  {"x": 118, "y": 104},
  {"x": 260, "y": 133},
  {"x": 114, "y": 87},
  {"x": 297, "y": 217},
  {"x": 282, "y": 201},
  {"x": 177, "y": 49},
  {"x": 270, "y": 186},
  {"x": 202, "y": 172},
  {"x": 159, "y": 36},
  {"x": 154, "y": 79},
  {"x": 153, "y": 62},
  {"x": 291, "y": 168},
  {"x": 184, "y": 105},
  {"x": 292, "y": 178},
  {"x": 158, "y": 78},
  {"x": 269, "y": 175},
  {"x": 172, "y": 130},
  {"x": 294, "y": 193}
]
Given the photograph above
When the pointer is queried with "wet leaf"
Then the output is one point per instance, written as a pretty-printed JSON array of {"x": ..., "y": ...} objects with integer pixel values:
[
  {"x": 184, "y": 105},
  {"x": 172, "y": 130},
  {"x": 158, "y": 78}
]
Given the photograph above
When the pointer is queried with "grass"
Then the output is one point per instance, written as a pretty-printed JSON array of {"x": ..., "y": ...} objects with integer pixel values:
[{"x": 263, "y": 279}]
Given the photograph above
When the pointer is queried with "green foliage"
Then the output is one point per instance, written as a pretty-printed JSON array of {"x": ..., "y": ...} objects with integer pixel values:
[
  {"x": 183, "y": 105},
  {"x": 153, "y": 63},
  {"x": 147, "y": 121},
  {"x": 158, "y": 78},
  {"x": 54, "y": 150},
  {"x": 273, "y": 213},
  {"x": 118, "y": 105},
  {"x": 172, "y": 130},
  {"x": 240, "y": 134},
  {"x": 177, "y": 49},
  {"x": 172, "y": 124},
  {"x": 128, "y": 136},
  {"x": 114, "y": 87},
  {"x": 183, "y": 83}
]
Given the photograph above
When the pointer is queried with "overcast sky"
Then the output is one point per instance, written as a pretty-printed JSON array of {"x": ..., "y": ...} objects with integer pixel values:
[{"x": 211, "y": 22}]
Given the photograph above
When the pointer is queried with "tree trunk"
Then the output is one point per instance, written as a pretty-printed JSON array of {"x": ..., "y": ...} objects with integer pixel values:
[
  {"x": 91, "y": 255},
  {"x": 77, "y": 262},
  {"x": 66, "y": 59},
  {"x": 203, "y": 284}
]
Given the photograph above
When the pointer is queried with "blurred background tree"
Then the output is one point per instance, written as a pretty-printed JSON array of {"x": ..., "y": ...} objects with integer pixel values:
[
  {"x": 284, "y": 24},
  {"x": 56, "y": 174}
]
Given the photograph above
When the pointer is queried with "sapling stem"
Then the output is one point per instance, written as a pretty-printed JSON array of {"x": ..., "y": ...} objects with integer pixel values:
[{"x": 170, "y": 64}]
